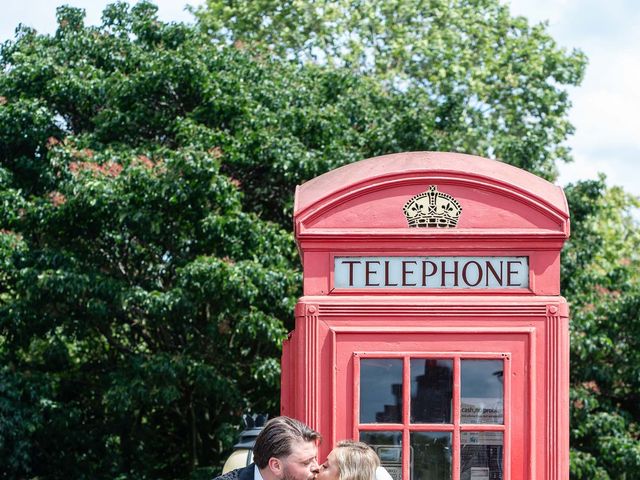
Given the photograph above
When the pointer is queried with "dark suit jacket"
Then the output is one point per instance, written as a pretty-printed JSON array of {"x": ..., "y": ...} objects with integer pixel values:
[{"x": 245, "y": 473}]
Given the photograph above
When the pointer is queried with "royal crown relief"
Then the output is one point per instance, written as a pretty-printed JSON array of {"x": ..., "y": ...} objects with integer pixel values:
[
  {"x": 432, "y": 209},
  {"x": 438, "y": 210}
]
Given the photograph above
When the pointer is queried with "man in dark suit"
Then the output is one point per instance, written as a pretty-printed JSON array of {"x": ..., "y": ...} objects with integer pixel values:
[{"x": 285, "y": 449}]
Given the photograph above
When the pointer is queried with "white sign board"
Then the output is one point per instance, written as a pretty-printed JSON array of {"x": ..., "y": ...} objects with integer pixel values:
[
  {"x": 481, "y": 410},
  {"x": 431, "y": 272},
  {"x": 481, "y": 438},
  {"x": 479, "y": 473}
]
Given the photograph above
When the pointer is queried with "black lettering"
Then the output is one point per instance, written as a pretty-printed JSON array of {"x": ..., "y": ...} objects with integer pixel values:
[
  {"x": 511, "y": 272},
  {"x": 464, "y": 273},
  {"x": 406, "y": 272},
  {"x": 493, "y": 271},
  {"x": 445, "y": 273},
  {"x": 386, "y": 275},
  {"x": 425, "y": 275},
  {"x": 351, "y": 263},
  {"x": 369, "y": 272}
]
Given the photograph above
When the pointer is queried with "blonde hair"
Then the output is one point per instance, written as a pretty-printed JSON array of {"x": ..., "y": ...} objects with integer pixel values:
[{"x": 356, "y": 460}]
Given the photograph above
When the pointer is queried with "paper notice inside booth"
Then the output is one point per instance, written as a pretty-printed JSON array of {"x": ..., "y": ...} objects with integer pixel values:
[{"x": 482, "y": 410}]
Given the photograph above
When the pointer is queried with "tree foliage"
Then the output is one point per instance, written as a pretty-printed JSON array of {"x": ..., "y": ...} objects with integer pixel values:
[
  {"x": 487, "y": 82},
  {"x": 601, "y": 278},
  {"x": 142, "y": 309},
  {"x": 147, "y": 170}
]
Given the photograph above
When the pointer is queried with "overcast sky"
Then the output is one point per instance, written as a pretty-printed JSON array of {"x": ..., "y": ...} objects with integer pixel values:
[{"x": 606, "y": 108}]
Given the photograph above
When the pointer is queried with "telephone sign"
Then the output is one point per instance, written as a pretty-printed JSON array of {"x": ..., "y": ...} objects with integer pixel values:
[{"x": 431, "y": 272}]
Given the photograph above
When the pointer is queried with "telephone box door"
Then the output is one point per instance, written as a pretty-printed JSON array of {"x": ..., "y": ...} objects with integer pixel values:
[{"x": 441, "y": 404}]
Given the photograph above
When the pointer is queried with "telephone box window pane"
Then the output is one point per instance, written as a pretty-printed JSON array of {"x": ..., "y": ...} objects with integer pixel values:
[
  {"x": 431, "y": 390},
  {"x": 388, "y": 446},
  {"x": 482, "y": 391},
  {"x": 381, "y": 390},
  {"x": 481, "y": 455},
  {"x": 431, "y": 456}
]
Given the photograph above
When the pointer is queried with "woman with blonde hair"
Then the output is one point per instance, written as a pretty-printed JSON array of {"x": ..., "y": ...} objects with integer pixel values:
[{"x": 350, "y": 460}]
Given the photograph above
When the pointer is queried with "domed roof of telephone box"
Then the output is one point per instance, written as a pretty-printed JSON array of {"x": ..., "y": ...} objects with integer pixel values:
[{"x": 381, "y": 192}]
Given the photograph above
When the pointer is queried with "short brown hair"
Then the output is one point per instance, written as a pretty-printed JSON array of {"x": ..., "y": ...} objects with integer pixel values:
[
  {"x": 277, "y": 438},
  {"x": 356, "y": 460}
]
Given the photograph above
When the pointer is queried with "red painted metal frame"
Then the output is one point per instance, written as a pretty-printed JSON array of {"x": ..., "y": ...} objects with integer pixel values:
[
  {"x": 356, "y": 211},
  {"x": 456, "y": 426}
]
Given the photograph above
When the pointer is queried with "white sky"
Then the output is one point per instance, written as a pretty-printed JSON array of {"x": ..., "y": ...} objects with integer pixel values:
[
  {"x": 606, "y": 107},
  {"x": 606, "y": 111}
]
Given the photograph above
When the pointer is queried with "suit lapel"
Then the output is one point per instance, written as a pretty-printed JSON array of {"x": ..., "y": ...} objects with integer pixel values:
[{"x": 247, "y": 472}]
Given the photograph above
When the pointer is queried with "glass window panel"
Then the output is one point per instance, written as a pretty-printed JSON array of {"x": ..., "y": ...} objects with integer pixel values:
[
  {"x": 431, "y": 390},
  {"x": 381, "y": 390},
  {"x": 388, "y": 446},
  {"x": 431, "y": 452},
  {"x": 481, "y": 455},
  {"x": 482, "y": 399}
]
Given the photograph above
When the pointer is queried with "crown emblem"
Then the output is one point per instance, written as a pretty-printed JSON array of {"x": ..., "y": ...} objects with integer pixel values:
[{"x": 432, "y": 209}]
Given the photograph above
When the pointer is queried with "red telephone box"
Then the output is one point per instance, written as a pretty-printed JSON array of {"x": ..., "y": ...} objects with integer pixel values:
[{"x": 431, "y": 325}]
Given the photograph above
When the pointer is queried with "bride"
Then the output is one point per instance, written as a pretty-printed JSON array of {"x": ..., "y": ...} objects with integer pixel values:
[{"x": 352, "y": 460}]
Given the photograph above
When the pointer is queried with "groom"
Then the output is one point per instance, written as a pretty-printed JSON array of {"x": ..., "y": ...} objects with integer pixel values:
[{"x": 285, "y": 449}]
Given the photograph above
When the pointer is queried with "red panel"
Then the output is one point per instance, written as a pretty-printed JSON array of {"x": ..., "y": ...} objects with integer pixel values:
[
  {"x": 480, "y": 209},
  {"x": 369, "y": 174}
]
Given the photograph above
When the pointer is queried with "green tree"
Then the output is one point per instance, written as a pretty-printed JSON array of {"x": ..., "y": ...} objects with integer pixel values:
[
  {"x": 495, "y": 86},
  {"x": 142, "y": 309},
  {"x": 481, "y": 80},
  {"x": 601, "y": 279}
]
